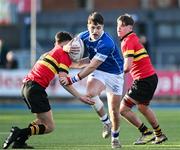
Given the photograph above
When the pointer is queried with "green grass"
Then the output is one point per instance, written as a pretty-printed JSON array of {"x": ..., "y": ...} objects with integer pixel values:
[{"x": 81, "y": 130}]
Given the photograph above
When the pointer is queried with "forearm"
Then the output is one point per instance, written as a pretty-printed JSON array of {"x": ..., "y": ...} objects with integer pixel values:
[
  {"x": 93, "y": 65},
  {"x": 81, "y": 64},
  {"x": 76, "y": 94},
  {"x": 72, "y": 90},
  {"x": 128, "y": 64},
  {"x": 78, "y": 65},
  {"x": 86, "y": 71},
  {"x": 83, "y": 73}
]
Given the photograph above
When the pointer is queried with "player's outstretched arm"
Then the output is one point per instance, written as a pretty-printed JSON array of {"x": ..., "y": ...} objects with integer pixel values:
[
  {"x": 82, "y": 74},
  {"x": 81, "y": 63},
  {"x": 74, "y": 92},
  {"x": 82, "y": 98}
]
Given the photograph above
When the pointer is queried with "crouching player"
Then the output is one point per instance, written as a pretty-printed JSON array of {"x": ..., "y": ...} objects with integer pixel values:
[{"x": 53, "y": 62}]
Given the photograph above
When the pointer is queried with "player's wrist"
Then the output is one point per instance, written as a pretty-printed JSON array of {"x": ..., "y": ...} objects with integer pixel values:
[
  {"x": 75, "y": 79},
  {"x": 79, "y": 76}
]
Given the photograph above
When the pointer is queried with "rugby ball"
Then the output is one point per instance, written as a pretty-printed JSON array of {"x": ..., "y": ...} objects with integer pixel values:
[{"x": 79, "y": 45}]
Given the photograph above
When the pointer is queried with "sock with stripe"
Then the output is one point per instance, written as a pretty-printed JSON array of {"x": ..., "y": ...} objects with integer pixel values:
[
  {"x": 115, "y": 134},
  {"x": 105, "y": 119},
  {"x": 157, "y": 131},
  {"x": 143, "y": 129},
  {"x": 31, "y": 130}
]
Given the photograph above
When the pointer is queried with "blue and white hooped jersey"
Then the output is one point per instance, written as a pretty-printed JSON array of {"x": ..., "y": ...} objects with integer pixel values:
[{"x": 104, "y": 49}]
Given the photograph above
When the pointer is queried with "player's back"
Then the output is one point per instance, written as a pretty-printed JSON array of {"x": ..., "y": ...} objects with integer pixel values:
[{"x": 48, "y": 65}]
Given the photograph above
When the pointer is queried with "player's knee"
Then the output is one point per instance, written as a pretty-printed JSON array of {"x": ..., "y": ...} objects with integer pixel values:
[
  {"x": 114, "y": 109},
  {"x": 123, "y": 112},
  {"x": 142, "y": 108},
  {"x": 114, "y": 113},
  {"x": 125, "y": 107},
  {"x": 98, "y": 103},
  {"x": 126, "y": 103}
]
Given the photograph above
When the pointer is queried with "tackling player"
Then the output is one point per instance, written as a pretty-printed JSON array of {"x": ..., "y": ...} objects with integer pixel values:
[
  {"x": 105, "y": 72},
  {"x": 138, "y": 63},
  {"x": 51, "y": 63}
]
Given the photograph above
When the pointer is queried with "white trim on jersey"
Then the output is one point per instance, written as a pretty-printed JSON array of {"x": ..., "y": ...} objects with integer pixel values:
[{"x": 100, "y": 57}]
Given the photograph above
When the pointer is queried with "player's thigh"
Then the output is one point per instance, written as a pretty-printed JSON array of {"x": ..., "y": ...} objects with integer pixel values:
[
  {"x": 94, "y": 87},
  {"x": 143, "y": 90},
  {"x": 124, "y": 108},
  {"x": 35, "y": 97},
  {"x": 113, "y": 101},
  {"x": 114, "y": 88},
  {"x": 114, "y": 83}
]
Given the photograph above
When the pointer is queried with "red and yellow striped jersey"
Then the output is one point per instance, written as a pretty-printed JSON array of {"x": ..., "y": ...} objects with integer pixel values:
[
  {"x": 142, "y": 66},
  {"x": 48, "y": 65}
]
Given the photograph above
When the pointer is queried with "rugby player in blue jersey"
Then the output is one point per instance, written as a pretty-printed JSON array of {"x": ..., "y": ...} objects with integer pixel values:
[{"x": 105, "y": 70}]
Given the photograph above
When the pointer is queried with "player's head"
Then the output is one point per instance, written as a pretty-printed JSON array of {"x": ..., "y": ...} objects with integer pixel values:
[
  {"x": 62, "y": 38},
  {"x": 95, "y": 25},
  {"x": 125, "y": 25}
]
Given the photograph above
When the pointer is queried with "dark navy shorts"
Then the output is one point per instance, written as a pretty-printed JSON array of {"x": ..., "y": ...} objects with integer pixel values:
[
  {"x": 35, "y": 97},
  {"x": 142, "y": 90}
]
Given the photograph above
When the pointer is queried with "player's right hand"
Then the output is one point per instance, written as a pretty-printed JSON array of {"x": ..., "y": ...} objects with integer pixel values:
[{"x": 86, "y": 100}]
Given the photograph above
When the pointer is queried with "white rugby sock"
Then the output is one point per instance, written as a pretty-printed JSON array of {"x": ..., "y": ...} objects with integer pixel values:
[
  {"x": 115, "y": 134},
  {"x": 105, "y": 119}
]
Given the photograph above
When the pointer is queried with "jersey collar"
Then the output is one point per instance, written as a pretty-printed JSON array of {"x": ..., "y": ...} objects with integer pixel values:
[{"x": 126, "y": 35}]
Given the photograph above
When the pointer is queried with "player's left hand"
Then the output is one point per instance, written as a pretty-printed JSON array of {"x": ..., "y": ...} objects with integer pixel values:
[{"x": 86, "y": 100}]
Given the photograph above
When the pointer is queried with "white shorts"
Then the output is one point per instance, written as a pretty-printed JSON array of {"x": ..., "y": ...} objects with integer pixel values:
[{"x": 113, "y": 83}]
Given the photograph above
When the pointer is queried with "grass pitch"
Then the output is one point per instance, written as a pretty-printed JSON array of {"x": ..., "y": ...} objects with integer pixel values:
[{"x": 81, "y": 130}]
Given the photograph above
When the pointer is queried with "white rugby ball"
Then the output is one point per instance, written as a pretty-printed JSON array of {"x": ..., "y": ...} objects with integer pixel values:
[{"x": 78, "y": 43}]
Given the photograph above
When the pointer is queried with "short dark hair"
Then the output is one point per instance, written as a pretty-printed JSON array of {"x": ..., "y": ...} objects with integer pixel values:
[
  {"x": 95, "y": 18},
  {"x": 126, "y": 19},
  {"x": 63, "y": 36}
]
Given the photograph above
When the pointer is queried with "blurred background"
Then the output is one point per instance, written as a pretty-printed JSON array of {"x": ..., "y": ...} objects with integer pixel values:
[{"x": 27, "y": 29}]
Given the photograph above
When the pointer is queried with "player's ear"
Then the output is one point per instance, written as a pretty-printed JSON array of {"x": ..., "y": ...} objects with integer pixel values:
[
  {"x": 70, "y": 42},
  {"x": 67, "y": 46},
  {"x": 55, "y": 43}
]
